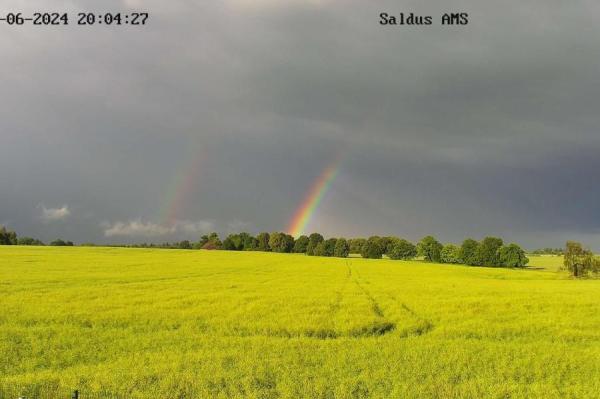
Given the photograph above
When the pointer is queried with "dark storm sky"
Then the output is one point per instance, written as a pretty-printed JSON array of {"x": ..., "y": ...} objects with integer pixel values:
[{"x": 221, "y": 114}]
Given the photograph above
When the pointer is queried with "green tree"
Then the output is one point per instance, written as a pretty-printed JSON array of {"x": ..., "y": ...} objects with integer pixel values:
[
  {"x": 579, "y": 261},
  {"x": 469, "y": 251},
  {"x": 372, "y": 249},
  {"x": 325, "y": 248},
  {"x": 450, "y": 254},
  {"x": 402, "y": 249},
  {"x": 289, "y": 242},
  {"x": 313, "y": 240},
  {"x": 430, "y": 249},
  {"x": 342, "y": 248},
  {"x": 213, "y": 242},
  {"x": 263, "y": 242},
  {"x": 229, "y": 244},
  {"x": 29, "y": 241},
  {"x": 512, "y": 255},
  {"x": 386, "y": 244},
  {"x": 185, "y": 244},
  {"x": 320, "y": 249},
  {"x": 7, "y": 237},
  {"x": 281, "y": 242},
  {"x": 61, "y": 243},
  {"x": 238, "y": 241},
  {"x": 203, "y": 240},
  {"x": 356, "y": 245},
  {"x": 301, "y": 244},
  {"x": 377, "y": 239},
  {"x": 249, "y": 243},
  {"x": 487, "y": 252},
  {"x": 549, "y": 251},
  {"x": 329, "y": 246}
]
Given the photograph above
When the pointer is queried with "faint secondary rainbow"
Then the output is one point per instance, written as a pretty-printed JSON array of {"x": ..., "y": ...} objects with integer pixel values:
[
  {"x": 182, "y": 188},
  {"x": 311, "y": 202}
]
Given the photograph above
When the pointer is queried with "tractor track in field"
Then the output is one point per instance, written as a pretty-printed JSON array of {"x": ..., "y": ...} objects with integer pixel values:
[
  {"x": 423, "y": 325},
  {"x": 335, "y": 305},
  {"x": 384, "y": 325},
  {"x": 326, "y": 330},
  {"x": 375, "y": 306}
]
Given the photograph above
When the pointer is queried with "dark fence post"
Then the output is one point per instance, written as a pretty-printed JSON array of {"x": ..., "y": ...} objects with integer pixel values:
[{"x": 75, "y": 394}]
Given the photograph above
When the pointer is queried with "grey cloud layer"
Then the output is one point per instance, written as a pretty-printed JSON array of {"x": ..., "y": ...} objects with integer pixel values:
[{"x": 489, "y": 128}]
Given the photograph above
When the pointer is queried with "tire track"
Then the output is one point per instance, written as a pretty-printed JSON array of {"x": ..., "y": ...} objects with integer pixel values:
[
  {"x": 422, "y": 325},
  {"x": 378, "y": 327}
]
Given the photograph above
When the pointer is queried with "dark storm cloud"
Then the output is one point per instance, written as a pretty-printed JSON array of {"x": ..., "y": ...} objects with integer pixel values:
[{"x": 487, "y": 128}]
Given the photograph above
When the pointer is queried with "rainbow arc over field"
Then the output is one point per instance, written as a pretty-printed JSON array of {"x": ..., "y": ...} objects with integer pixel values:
[
  {"x": 307, "y": 209},
  {"x": 189, "y": 176},
  {"x": 182, "y": 186}
]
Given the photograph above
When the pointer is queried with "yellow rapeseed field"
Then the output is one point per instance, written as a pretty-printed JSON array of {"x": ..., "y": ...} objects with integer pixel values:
[{"x": 143, "y": 323}]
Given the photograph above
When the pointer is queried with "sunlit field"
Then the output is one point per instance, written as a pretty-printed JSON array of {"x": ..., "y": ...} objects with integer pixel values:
[
  {"x": 141, "y": 323},
  {"x": 545, "y": 262}
]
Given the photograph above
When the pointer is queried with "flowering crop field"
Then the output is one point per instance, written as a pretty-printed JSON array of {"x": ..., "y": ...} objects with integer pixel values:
[{"x": 151, "y": 323}]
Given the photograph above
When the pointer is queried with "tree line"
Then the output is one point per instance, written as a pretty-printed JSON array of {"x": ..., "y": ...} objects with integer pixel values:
[
  {"x": 9, "y": 237},
  {"x": 549, "y": 251},
  {"x": 491, "y": 251}
]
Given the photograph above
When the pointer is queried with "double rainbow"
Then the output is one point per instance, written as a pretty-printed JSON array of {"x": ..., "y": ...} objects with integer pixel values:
[{"x": 184, "y": 184}]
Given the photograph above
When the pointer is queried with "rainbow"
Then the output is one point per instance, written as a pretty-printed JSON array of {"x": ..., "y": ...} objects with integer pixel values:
[
  {"x": 184, "y": 183},
  {"x": 306, "y": 211},
  {"x": 181, "y": 188}
]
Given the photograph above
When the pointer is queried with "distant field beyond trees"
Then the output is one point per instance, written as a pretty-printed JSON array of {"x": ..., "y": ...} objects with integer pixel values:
[{"x": 148, "y": 323}]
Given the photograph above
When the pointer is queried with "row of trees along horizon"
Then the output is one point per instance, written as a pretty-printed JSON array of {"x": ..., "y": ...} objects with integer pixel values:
[{"x": 491, "y": 251}]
